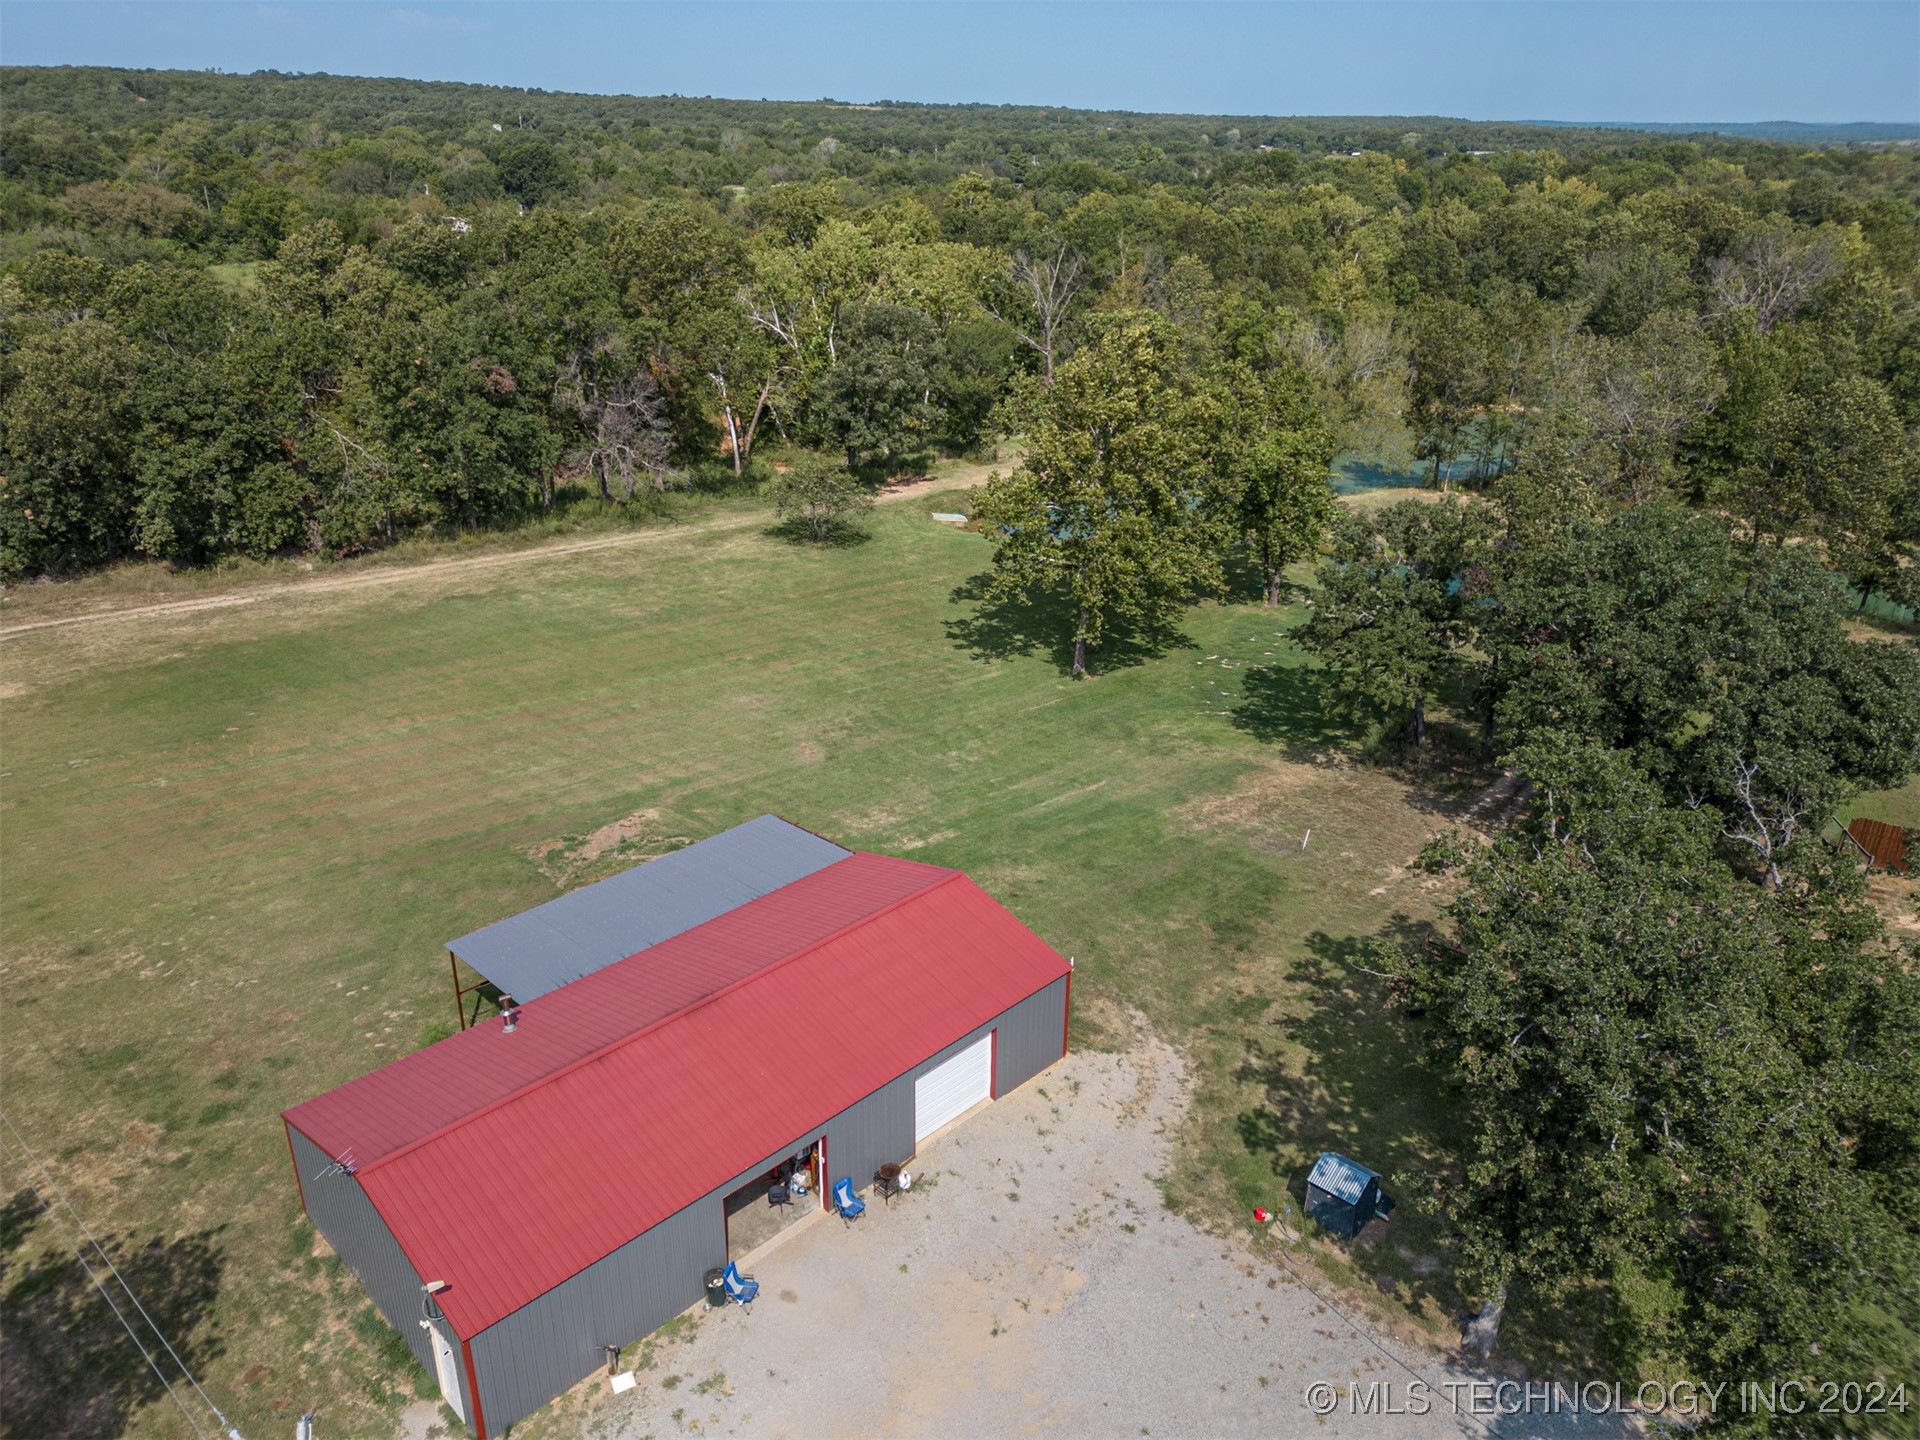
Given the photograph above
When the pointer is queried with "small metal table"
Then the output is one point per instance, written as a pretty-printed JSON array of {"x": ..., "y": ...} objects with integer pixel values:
[{"x": 887, "y": 1177}]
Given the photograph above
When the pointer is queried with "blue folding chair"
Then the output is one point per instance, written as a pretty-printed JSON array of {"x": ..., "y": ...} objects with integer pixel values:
[
  {"x": 741, "y": 1289},
  {"x": 850, "y": 1206}
]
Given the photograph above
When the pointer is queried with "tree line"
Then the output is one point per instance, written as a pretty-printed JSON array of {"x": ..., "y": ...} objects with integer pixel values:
[
  {"x": 1683, "y": 1043},
  {"x": 247, "y": 315}
]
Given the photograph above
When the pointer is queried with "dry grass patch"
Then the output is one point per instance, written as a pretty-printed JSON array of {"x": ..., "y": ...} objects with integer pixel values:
[{"x": 631, "y": 840}]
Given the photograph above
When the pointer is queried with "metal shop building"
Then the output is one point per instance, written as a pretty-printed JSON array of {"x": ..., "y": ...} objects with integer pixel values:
[{"x": 516, "y": 1201}]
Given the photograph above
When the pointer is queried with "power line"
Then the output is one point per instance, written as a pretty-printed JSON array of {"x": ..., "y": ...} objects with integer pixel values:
[
  {"x": 47, "y": 1207},
  {"x": 107, "y": 1260},
  {"x": 233, "y": 1431}
]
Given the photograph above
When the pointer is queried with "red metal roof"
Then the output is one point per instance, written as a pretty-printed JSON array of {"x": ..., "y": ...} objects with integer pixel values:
[
  {"x": 413, "y": 1097},
  {"x": 503, "y": 1164}
]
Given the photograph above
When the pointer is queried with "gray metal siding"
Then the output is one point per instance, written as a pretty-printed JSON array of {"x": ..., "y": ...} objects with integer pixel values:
[
  {"x": 341, "y": 1211},
  {"x": 754, "y": 1172},
  {"x": 1032, "y": 1036},
  {"x": 880, "y": 1128},
  {"x": 550, "y": 1344},
  {"x": 543, "y": 948},
  {"x": 863, "y": 1137}
]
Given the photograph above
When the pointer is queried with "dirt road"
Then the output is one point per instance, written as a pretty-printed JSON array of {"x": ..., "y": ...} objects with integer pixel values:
[{"x": 373, "y": 577}]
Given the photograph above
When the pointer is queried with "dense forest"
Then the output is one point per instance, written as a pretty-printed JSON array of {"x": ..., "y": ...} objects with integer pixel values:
[
  {"x": 248, "y": 315},
  {"x": 1668, "y": 387}
]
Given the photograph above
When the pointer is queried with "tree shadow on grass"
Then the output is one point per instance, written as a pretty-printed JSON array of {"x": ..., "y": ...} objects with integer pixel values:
[
  {"x": 1365, "y": 1094},
  {"x": 839, "y": 535},
  {"x": 1293, "y": 706},
  {"x": 1042, "y": 624},
  {"x": 877, "y": 472},
  {"x": 66, "y": 1365}
]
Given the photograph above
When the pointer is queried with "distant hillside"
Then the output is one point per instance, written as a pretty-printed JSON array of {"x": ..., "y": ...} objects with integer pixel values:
[
  {"x": 1859, "y": 132},
  {"x": 104, "y": 98}
]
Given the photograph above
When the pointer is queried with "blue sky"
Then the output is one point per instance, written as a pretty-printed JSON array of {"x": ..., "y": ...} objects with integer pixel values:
[{"x": 1676, "y": 60}]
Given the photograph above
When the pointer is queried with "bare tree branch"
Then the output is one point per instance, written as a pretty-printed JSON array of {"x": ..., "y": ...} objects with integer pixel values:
[
  {"x": 1774, "y": 275},
  {"x": 1049, "y": 285},
  {"x": 1769, "y": 831},
  {"x": 626, "y": 417}
]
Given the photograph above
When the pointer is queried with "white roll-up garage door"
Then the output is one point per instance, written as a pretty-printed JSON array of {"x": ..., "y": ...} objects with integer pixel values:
[{"x": 952, "y": 1088}]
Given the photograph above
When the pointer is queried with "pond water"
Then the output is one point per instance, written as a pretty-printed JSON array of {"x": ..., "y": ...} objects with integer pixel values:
[{"x": 1353, "y": 474}]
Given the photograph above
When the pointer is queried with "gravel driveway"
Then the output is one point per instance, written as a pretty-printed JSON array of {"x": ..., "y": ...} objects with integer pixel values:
[{"x": 1031, "y": 1284}]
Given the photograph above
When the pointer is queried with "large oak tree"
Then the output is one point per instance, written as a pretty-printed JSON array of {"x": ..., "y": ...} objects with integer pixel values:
[{"x": 1122, "y": 507}]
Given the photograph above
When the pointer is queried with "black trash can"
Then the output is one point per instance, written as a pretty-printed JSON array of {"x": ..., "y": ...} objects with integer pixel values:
[{"x": 717, "y": 1288}]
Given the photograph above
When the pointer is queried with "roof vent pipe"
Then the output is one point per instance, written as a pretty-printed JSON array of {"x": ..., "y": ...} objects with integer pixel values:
[{"x": 510, "y": 1013}]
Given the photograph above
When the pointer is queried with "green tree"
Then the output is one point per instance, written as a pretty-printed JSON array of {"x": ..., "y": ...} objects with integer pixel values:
[
  {"x": 878, "y": 397},
  {"x": 670, "y": 258},
  {"x": 1393, "y": 605},
  {"x": 1704, "y": 1096},
  {"x": 794, "y": 214},
  {"x": 1448, "y": 384},
  {"x": 532, "y": 171},
  {"x": 796, "y": 297},
  {"x": 1725, "y": 674},
  {"x": 819, "y": 497},
  {"x": 1630, "y": 284},
  {"x": 258, "y": 218},
  {"x": 149, "y": 209},
  {"x": 1122, "y": 507},
  {"x": 216, "y": 467},
  {"x": 678, "y": 271},
  {"x": 1833, "y": 461},
  {"x": 1281, "y": 458},
  {"x": 976, "y": 361},
  {"x": 1640, "y": 396},
  {"x": 429, "y": 253},
  {"x": 1889, "y": 563},
  {"x": 67, "y": 427}
]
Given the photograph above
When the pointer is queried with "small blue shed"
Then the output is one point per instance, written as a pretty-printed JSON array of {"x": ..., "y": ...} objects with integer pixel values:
[{"x": 1343, "y": 1195}]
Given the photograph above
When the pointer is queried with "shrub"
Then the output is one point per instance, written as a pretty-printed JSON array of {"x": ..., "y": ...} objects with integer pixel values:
[{"x": 818, "y": 498}]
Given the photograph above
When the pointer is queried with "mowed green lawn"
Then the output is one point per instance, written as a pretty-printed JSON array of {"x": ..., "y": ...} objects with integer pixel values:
[{"x": 235, "y": 842}]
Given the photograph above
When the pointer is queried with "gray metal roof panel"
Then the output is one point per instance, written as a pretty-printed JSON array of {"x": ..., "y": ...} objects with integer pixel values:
[
  {"x": 541, "y": 949},
  {"x": 1339, "y": 1176}
]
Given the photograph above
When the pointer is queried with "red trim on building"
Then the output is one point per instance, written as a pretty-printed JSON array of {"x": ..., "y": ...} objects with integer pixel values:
[
  {"x": 473, "y": 1393},
  {"x": 288, "y": 1126},
  {"x": 1066, "y": 1012},
  {"x": 993, "y": 1063}
]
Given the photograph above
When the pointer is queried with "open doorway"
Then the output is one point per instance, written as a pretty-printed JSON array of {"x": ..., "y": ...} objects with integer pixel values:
[{"x": 767, "y": 1204}]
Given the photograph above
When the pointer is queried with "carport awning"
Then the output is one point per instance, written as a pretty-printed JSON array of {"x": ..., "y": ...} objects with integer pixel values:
[{"x": 546, "y": 947}]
